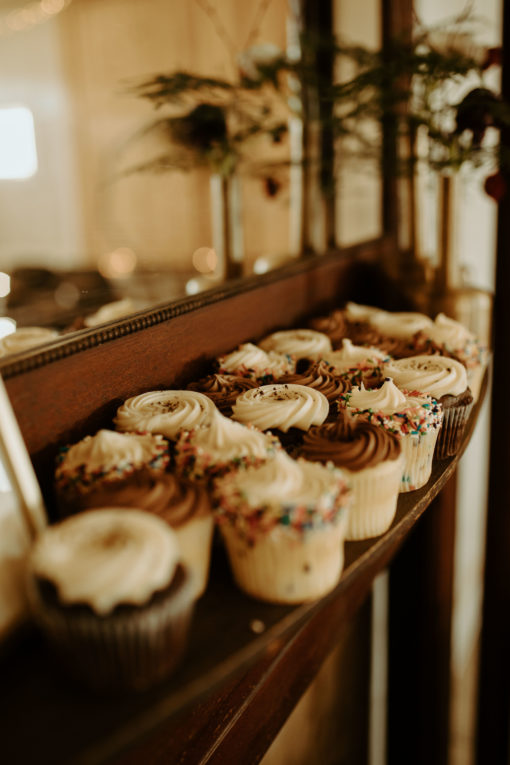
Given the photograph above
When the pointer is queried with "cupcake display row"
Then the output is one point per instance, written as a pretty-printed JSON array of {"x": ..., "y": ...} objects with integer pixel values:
[{"x": 290, "y": 446}]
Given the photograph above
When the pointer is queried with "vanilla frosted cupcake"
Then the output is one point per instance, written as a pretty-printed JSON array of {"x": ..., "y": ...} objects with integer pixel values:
[
  {"x": 223, "y": 390},
  {"x": 105, "y": 458},
  {"x": 372, "y": 460},
  {"x": 248, "y": 360},
  {"x": 400, "y": 324},
  {"x": 301, "y": 343},
  {"x": 446, "y": 380},
  {"x": 413, "y": 416},
  {"x": 283, "y": 524},
  {"x": 164, "y": 411},
  {"x": 453, "y": 338},
  {"x": 359, "y": 363},
  {"x": 107, "y": 588},
  {"x": 25, "y": 338},
  {"x": 184, "y": 505},
  {"x": 287, "y": 410},
  {"x": 220, "y": 446}
]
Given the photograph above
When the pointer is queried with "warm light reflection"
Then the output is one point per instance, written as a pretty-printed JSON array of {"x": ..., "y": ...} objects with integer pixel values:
[
  {"x": 18, "y": 153},
  {"x": 67, "y": 295},
  {"x": 5, "y": 284},
  {"x": 7, "y": 326},
  {"x": 31, "y": 14},
  {"x": 193, "y": 287},
  {"x": 205, "y": 260},
  {"x": 118, "y": 263}
]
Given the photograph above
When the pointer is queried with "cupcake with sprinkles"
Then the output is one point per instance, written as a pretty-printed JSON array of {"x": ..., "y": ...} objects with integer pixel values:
[
  {"x": 248, "y": 360},
  {"x": 221, "y": 446},
  {"x": 284, "y": 525},
  {"x": 413, "y": 416},
  {"x": 104, "y": 459},
  {"x": 301, "y": 343},
  {"x": 164, "y": 411},
  {"x": 357, "y": 363},
  {"x": 320, "y": 376}
]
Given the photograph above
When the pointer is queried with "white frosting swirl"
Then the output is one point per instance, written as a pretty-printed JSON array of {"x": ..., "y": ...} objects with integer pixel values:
[
  {"x": 302, "y": 343},
  {"x": 281, "y": 406},
  {"x": 400, "y": 325},
  {"x": 108, "y": 450},
  {"x": 104, "y": 558},
  {"x": 165, "y": 411},
  {"x": 436, "y": 375},
  {"x": 25, "y": 338},
  {"x": 223, "y": 439},
  {"x": 251, "y": 361},
  {"x": 358, "y": 312},
  {"x": 349, "y": 356},
  {"x": 283, "y": 481},
  {"x": 450, "y": 333},
  {"x": 386, "y": 399}
]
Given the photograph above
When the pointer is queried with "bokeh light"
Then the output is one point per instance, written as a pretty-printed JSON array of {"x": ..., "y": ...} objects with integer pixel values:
[
  {"x": 205, "y": 260},
  {"x": 5, "y": 284},
  {"x": 118, "y": 263},
  {"x": 7, "y": 326}
]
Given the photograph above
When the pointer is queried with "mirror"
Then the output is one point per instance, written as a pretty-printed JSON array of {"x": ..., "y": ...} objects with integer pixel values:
[{"x": 99, "y": 207}]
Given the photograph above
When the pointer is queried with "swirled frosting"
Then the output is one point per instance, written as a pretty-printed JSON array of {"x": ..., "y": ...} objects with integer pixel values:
[
  {"x": 322, "y": 378},
  {"x": 223, "y": 390},
  {"x": 25, "y": 338},
  {"x": 301, "y": 343},
  {"x": 248, "y": 360},
  {"x": 109, "y": 456},
  {"x": 173, "y": 499},
  {"x": 281, "y": 406},
  {"x": 351, "y": 444},
  {"x": 164, "y": 411},
  {"x": 436, "y": 375},
  {"x": 336, "y": 326},
  {"x": 359, "y": 312},
  {"x": 350, "y": 356},
  {"x": 398, "y": 411},
  {"x": 104, "y": 558},
  {"x": 293, "y": 493},
  {"x": 221, "y": 444},
  {"x": 400, "y": 324}
]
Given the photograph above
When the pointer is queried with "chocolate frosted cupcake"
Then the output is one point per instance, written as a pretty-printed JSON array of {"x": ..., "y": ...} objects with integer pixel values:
[
  {"x": 105, "y": 459},
  {"x": 221, "y": 446},
  {"x": 184, "y": 505},
  {"x": 248, "y": 360},
  {"x": 107, "y": 588},
  {"x": 372, "y": 461},
  {"x": 164, "y": 411},
  {"x": 446, "y": 380},
  {"x": 301, "y": 343},
  {"x": 223, "y": 390},
  {"x": 283, "y": 524},
  {"x": 413, "y": 416},
  {"x": 321, "y": 377},
  {"x": 286, "y": 410},
  {"x": 336, "y": 326}
]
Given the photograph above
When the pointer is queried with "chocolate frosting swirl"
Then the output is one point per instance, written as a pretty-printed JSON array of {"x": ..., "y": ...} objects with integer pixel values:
[
  {"x": 351, "y": 445},
  {"x": 320, "y": 377},
  {"x": 223, "y": 389},
  {"x": 171, "y": 498}
]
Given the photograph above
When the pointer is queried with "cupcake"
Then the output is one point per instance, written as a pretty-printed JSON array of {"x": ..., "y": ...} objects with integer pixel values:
[
  {"x": 413, "y": 416},
  {"x": 321, "y": 377},
  {"x": 283, "y": 524},
  {"x": 164, "y": 411},
  {"x": 248, "y": 360},
  {"x": 301, "y": 343},
  {"x": 446, "y": 380},
  {"x": 25, "y": 338},
  {"x": 358, "y": 363},
  {"x": 107, "y": 588},
  {"x": 221, "y": 445},
  {"x": 400, "y": 324},
  {"x": 286, "y": 410},
  {"x": 372, "y": 461},
  {"x": 335, "y": 325},
  {"x": 223, "y": 390},
  {"x": 104, "y": 459},
  {"x": 184, "y": 505},
  {"x": 451, "y": 338}
]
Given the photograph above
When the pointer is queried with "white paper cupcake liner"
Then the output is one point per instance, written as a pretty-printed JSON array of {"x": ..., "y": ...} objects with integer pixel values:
[
  {"x": 285, "y": 566},
  {"x": 375, "y": 493},
  {"x": 418, "y": 451},
  {"x": 128, "y": 649},
  {"x": 195, "y": 541},
  {"x": 452, "y": 429}
]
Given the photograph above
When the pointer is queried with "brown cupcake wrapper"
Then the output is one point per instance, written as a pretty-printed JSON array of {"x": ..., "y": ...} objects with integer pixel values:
[
  {"x": 132, "y": 649},
  {"x": 452, "y": 430}
]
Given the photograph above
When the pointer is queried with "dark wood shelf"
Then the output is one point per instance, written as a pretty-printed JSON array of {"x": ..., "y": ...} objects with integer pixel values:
[{"x": 228, "y": 670}]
